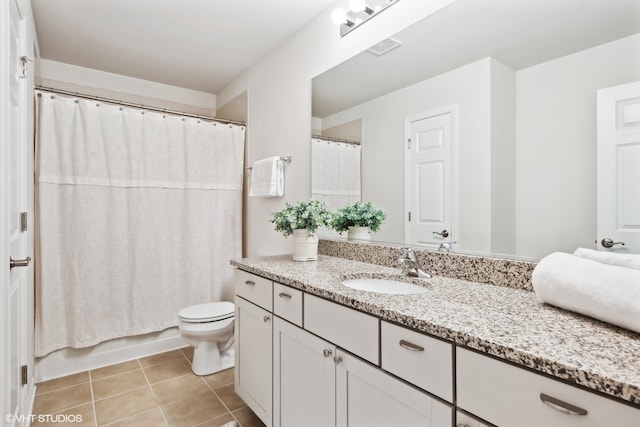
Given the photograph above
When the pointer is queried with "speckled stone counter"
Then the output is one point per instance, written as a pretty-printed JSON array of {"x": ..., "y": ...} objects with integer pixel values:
[{"x": 507, "y": 323}]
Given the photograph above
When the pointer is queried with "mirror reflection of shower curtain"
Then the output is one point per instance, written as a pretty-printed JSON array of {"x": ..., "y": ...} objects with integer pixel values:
[
  {"x": 335, "y": 175},
  {"x": 139, "y": 214}
]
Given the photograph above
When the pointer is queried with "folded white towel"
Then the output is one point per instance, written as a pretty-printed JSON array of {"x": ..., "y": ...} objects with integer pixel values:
[
  {"x": 267, "y": 178},
  {"x": 606, "y": 292},
  {"x": 613, "y": 258}
]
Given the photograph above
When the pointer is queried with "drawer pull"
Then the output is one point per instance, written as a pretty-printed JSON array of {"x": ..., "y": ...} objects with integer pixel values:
[
  {"x": 266, "y": 318},
  {"x": 410, "y": 346},
  {"x": 561, "y": 406},
  {"x": 249, "y": 282},
  {"x": 284, "y": 295},
  {"x": 327, "y": 352}
]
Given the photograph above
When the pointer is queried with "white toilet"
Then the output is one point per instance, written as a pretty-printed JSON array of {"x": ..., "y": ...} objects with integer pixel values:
[{"x": 209, "y": 329}]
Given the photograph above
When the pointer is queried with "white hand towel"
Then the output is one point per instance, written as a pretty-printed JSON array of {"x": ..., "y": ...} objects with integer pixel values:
[
  {"x": 606, "y": 292},
  {"x": 267, "y": 178},
  {"x": 613, "y": 258}
]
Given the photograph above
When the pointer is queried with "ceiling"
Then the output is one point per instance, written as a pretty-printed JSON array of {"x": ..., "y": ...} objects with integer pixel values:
[
  {"x": 518, "y": 33},
  {"x": 196, "y": 44}
]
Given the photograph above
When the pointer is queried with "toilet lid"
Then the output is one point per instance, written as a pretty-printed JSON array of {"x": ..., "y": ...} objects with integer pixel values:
[{"x": 207, "y": 312}]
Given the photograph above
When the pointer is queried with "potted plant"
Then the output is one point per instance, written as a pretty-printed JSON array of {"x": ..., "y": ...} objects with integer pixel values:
[
  {"x": 359, "y": 219},
  {"x": 302, "y": 220}
]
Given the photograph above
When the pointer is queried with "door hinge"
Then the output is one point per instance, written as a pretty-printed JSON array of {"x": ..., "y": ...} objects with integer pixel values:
[
  {"x": 409, "y": 216},
  {"x": 25, "y": 374},
  {"x": 25, "y": 59},
  {"x": 24, "y": 222}
]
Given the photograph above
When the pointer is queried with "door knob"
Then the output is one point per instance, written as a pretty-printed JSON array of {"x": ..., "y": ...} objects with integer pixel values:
[
  {"x": 608, "y": 243},
  {"x": 19, "y": 262},
  {"x": 443, "y": 233}
]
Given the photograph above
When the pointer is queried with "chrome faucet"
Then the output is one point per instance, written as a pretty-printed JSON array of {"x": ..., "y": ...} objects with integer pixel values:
[{"x": 411, "y": 265}]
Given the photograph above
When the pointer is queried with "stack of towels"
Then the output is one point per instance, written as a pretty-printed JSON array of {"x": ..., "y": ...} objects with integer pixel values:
[{"x": 602, "y": 285}]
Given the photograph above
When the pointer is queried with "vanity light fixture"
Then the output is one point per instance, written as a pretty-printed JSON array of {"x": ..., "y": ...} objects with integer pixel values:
[{"x": 360, "y": 11}]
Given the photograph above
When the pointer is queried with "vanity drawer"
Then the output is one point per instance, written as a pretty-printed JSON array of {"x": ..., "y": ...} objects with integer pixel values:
[
  {"x": 254, "y": 288},
  {"x": 506, "y": 395},
  {"x": 287, "y": 303},
  {"x": 419, "y": 359},
  {"x": 350, "y": 329}
]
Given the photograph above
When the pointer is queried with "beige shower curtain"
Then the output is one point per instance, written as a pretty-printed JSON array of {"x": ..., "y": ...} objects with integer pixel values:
[{"x": 139, "y": 214}]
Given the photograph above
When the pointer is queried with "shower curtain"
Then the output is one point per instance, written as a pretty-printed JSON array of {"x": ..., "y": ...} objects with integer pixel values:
[
  {"x": 335, "y": 175},
  {"x": 138, "y": 215}
]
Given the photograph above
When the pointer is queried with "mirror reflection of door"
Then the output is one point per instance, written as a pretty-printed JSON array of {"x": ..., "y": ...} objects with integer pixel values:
[
  {"x": 619, "y": 168},
  {"x": 429, "y": 209}
]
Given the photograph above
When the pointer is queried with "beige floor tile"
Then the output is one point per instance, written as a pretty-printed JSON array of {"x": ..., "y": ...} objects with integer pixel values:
[
  {"x": 185, "y": 387},
  {"x": 79, "y": 416},
  {"x": 166, "y": 371},
  {"x": 220, "y": 378},
  {"x": 229, "y": 397},
  {"x": 152, "y": 418},
  {"x": 188, "y": 352},
  {"x": 157, "y": 359},
  {"x": 119, "y": 368},
  {"x": 217, "y": 422},
  {"x": 116, "y": 384},
  {"x": 57, "y": 400},
  {"x": 191, "y": 412},
  {"x": 58, "y": 383},
  {"x": 124, "y": 405},
  {"x": 247, "y": 418}
]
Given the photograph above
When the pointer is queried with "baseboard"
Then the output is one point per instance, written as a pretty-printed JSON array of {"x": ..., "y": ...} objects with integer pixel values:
[{"x": 69, "y": 361}]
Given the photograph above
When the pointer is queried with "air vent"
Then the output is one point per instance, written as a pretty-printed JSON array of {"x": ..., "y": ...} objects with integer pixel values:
[{"x": 384, "y": 46}]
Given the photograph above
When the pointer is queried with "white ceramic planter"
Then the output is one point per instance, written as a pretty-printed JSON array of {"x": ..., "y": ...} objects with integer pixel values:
[
  {"x": 305, "y": 246},
  {"x": 359, "y": 233}
]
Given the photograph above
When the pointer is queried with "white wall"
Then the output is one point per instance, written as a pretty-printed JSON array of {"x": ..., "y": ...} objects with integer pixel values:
[
  {"x": 556, "y": 145},
  {"x": 279, "y": 119}
]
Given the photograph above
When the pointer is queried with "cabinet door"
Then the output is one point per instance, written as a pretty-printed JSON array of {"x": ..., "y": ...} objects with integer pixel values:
[
  {"x": 368, "y": 397},
  {"x": 303, "y": 378},
  {"x": 253, "y": 342}
]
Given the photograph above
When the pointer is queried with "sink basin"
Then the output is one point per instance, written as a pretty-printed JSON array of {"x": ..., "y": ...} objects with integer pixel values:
[{"x": 384, "y": 286}]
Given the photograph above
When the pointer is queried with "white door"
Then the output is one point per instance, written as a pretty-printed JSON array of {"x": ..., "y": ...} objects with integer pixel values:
[
  {"x": 429, "y": 179},
  {"x": 619, "y": 168},
  {"x": 303, "y": 378},
  {"x": 16, "y": 191},
  {"x": 368, "y": 397},
  {"x": 253, "y": 342}
]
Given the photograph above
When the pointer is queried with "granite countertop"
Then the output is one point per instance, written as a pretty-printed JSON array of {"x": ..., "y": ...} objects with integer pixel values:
[{"x": 507, "y": 323}]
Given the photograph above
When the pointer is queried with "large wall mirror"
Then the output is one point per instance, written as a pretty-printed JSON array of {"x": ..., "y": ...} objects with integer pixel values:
[{"x": 515, "y": 83}]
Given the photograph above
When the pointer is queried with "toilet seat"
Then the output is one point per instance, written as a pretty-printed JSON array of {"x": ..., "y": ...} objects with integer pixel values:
[{"x": 208, "y": 312}]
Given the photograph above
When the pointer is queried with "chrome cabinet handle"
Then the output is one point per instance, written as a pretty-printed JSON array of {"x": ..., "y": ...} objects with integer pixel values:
[
  {"x": 250, "y": 282},
  {"x": 266, "y": 318},
  {"x": 443, "y": 233},
  {"x": 608, "y": 243},
  {"x": 410, "y": 346},
  {"x": 284, "y": 295},
  {"x": 562, "y": 406},
  {"x": 327, "y": 352},
  {"x": 462, "y": 425},
  {"x": 337, "y": 359},
  {"x": 19, "y": 262}
]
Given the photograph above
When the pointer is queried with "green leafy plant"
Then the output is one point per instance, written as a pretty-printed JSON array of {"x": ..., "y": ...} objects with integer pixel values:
[
  {"x": 303, "y": 215},
  {"x": 358, "y": 214}
]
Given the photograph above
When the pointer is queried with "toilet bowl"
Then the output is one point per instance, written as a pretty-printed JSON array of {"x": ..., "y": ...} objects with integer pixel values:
[{"x": 209, "y": 329}]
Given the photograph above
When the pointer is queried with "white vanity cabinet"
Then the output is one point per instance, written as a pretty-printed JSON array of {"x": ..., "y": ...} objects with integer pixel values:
[
  {"x": 506, "y": 395},
  {"x": 319, "y": 384},
  {"x": 253, "y": 343}
]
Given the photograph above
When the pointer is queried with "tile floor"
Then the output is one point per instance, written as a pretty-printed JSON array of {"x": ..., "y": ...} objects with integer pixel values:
[{"x": 154, "y": 391}]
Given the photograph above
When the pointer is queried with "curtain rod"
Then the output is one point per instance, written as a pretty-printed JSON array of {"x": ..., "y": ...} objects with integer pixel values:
[
  {"x": 139, "y": 106},
  {"x": 328, "y": 138}
]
